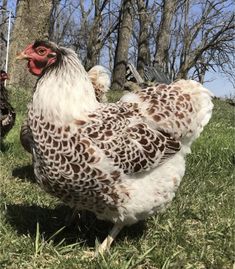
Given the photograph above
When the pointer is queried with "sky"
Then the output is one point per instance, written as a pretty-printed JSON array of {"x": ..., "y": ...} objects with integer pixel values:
[{"x": 217, "y": 82}]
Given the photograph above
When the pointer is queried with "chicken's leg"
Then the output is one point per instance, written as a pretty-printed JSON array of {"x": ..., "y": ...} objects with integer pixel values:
[{"x": 109, "y": 239}]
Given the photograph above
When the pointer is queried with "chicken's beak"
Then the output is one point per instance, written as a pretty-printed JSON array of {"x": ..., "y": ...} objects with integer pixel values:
[{"x": 22, "y": 56}]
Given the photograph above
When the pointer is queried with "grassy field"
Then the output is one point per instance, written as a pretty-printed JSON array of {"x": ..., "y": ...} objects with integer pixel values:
[{"x": 36, "y": 231}]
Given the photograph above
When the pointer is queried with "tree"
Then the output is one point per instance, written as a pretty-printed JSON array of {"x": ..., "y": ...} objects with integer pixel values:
[
  {"x": 86, "y": 26},
  {"x": 207, "y": 40},
  {"x": 32, "y": 22},
  {"x": 3, "y": 33},
  {"x": 143, "y": 58},
  {"x": 94, "y": 42},
  {"x": 54, "y": 30},
  {"x": 123, "y": 39},
  {"x": 163, "y": 35}
]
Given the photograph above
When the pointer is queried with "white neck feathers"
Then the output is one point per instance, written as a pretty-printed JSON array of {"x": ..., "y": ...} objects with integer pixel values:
[{"x": 65, "y": 93}]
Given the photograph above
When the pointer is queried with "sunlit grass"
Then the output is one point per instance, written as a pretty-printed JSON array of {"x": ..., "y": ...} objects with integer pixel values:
[{"x": 195, "y": 232}]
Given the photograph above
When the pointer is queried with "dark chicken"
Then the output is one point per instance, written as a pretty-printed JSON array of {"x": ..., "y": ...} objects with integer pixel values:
[{"x": 7, "y": 114}]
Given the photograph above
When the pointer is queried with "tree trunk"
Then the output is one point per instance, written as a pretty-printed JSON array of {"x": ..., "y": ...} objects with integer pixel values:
[
  {"x": 163, "y": 36},
  {"x": 110, "y": 44},
  {"x": 143, "y": 58},
  {"x": 3, "y": 34},
  {"x": 121, "y": 54},
  {"x": 201, "y": 75},
  {"x": 32, "y": 22},
  {"x": 183, "y": 72},
  {"x": 185, "y": 55},
  {"x": 94, "y": 42},
  {"x": 54, "y": 27}
]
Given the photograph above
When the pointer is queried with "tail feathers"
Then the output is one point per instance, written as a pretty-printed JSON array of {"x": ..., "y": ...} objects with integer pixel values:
[
  {"x": 26, "y": 137},
  {"x": 100, "y": 78},
  {"x": 181, "y": 109},
  {"x": 202, "y": 103}
]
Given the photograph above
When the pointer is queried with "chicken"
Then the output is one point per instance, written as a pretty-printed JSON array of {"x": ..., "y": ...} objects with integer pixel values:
[
  {"x": 100, "y": 79},
  {"x": 122, "y": 161},
  {"x": 7, "y": 116},
  {"x": 152, "y": 74}
]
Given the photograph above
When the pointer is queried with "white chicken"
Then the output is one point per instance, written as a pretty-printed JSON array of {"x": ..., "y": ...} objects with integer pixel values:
[
  {"x": 122, "y": 161},
  {"x": 100, "y": 79}
]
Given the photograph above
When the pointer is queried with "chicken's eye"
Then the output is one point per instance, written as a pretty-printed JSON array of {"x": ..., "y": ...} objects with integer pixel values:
[{"x": 41, "y": 51}]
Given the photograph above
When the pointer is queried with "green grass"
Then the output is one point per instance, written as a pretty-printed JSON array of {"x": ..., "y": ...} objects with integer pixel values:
[{"x": 195, "y": 232}]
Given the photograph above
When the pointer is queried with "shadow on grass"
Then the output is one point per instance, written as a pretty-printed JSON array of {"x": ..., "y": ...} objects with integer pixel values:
[
  {"x": 4, "y": 147},
  {"x": 86, "y": 229},
  {"x": 24, "y": 173}
]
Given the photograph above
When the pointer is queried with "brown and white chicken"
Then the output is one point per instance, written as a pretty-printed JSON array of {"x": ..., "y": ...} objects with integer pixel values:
[{"x": 122, "y": 161}]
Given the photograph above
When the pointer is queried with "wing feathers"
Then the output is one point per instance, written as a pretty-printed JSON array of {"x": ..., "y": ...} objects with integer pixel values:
[{"x": 130, "y": 147}]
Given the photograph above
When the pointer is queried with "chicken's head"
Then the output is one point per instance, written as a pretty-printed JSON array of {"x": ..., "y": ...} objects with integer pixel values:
[
  {"x": 39, "y": 55},
  {"x": 3, "y": 76}
]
